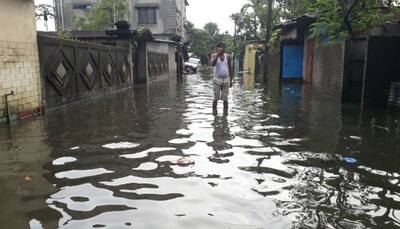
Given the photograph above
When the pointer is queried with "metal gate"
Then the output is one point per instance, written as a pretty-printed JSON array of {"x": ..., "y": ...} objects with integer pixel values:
[
  {"x": 292, "y": 67},
  {"x": 354, "y": 69}
]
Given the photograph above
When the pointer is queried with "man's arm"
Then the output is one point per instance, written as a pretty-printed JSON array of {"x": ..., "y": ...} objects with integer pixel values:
[{"x": 214, "y": 59}]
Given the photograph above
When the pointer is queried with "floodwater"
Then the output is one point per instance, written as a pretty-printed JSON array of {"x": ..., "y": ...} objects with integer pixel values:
[{"x": 156, "y": 157}]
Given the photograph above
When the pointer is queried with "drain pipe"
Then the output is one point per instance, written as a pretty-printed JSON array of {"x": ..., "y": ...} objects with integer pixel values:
[{"x": 7, "y": 108}]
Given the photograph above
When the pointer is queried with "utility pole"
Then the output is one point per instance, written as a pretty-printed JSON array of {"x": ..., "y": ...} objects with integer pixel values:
[
  {"x": 114, "y": 8},
  {"x": 129, "y": 11},
  {"x": 267, "y": 35},
  {"x": 62, "y": 14},
  {"x": 234, "y": 43},
  {"x": 56, "y": 15},
  {"x": 182, "y": 19},
  {"x": 58, "y": 6},
  {"x": 234, "y": 32}
]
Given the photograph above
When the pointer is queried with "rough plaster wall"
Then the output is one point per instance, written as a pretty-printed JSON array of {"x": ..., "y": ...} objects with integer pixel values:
[
  {"x": 166, "y": 48},
  {"x": 159, "y": 27},
  {"x": 19, "y": 62},
  {"x": 328, "y": 63},
  {"x": 170, "y": 16},
  {"x": 274, "y": 66},
  {"x": 157, "y": 47},
  {"x": 172, "y": 63}
]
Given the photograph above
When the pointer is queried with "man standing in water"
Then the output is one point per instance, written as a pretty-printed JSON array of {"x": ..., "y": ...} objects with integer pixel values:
[{"x": 222, "y": 76}]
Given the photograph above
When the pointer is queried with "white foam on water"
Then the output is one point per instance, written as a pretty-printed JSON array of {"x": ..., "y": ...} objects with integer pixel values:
[
  {"x": 35, "y": 224},
  {"x": 64, "y": 160},
  {"x": 169, "y": 158},
  {"x": 77, "y": 174},
  {"x": 274, "y": 116},
  {"x": 147, "y": 166},
  {"x": 145, "y": 153},
  {"x": 121, "y": 145},
  {"x": 178, "y": 141},
  {"x": 183, "y": 132}
]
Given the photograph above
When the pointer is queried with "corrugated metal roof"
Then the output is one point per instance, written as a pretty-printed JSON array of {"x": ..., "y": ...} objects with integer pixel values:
[{"x": 304, "y": 20}]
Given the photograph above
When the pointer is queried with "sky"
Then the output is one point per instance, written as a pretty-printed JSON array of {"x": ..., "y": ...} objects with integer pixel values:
[
  {"x": 199, "y": 12},
  {"x": 40, "y": 23},
  {"x": 202, "y": 11}
]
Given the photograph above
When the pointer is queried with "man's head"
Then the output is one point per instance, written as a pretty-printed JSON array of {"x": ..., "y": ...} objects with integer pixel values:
[{"x": 220, "y": 47}]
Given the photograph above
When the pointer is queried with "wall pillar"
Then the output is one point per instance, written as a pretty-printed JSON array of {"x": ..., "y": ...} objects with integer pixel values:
[
  {"x": 141, "y": 63},
  {"x": 19, "y": 59}
]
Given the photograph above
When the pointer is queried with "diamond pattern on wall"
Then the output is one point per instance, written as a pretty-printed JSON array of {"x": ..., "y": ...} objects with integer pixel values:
[
  {"x": 109, "y": 69},
  {"x": 89, "y": 70},
  {"x": 124, "y": 68},
  {"x": 61, "y": 70}
]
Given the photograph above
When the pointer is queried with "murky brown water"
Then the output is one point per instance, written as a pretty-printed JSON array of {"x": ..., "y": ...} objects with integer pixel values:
[{"x": 274, "y": 162}]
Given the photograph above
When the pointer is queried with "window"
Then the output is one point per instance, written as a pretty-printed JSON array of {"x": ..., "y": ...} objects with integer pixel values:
[
  {"x": 147, "y": 15},
  {"x": 84, "y": 7}
]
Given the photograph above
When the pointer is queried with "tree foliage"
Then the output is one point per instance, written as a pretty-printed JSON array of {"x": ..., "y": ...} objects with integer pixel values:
[
  {"x": 339, "y": 19},
  {"x": 251, "y": 21},
  {"x": 102, "y": 15},
  {"x": 203, "y": 41},
  {"x": 336, "y": 19},
  {"x": 212, "y": 28}
]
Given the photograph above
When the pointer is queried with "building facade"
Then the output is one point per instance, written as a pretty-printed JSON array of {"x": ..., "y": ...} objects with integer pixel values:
[
  {"x": 19, "y": 60},
  {"x": 67, "y": 10},
  {"x": 164, "y": 18}
]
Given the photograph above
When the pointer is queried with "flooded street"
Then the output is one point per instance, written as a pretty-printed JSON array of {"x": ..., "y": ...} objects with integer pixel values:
[{"x": 156, "y": 157}]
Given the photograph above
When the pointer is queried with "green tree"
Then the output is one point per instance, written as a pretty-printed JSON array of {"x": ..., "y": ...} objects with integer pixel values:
[
  {"x": 339, "y": 19},
  {"x": 251, "y": 22},
  {"x": 291, "y": 9},
  {"x": 212, "y": 28},
  {"x": 252, "y": 18},
  {"x": 228, "y": 41},
  {"x": 203, "y": 41},
  {"x": 200, "y": 42},
  {"x": 102, "y": 15},
  {"x": 336, "y": 19}
]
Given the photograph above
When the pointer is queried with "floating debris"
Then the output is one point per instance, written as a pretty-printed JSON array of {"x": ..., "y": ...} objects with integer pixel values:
[
  {"x": 356, "y": 138},
  {"x": 28, "y": 178},
  {"x": 350, "y": 160},
  {"x": 374, "y": 125},
  {"x": 183, "y": 162}
]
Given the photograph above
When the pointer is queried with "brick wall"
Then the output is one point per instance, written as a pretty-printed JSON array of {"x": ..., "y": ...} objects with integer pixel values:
[
  {"x": 328, "y": 63},
  {"x": 19, "y": 72},
  {"x": 19, "y": 63}
]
